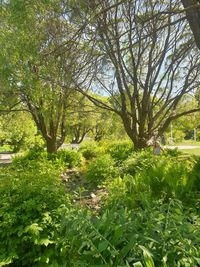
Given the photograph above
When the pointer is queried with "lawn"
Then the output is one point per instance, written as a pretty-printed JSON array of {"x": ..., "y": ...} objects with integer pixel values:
[
  {"x": 193, "y": 151},
  {"x": 188, "y": 143}
]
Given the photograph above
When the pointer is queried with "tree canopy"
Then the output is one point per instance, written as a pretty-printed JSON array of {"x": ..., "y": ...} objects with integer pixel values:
[{"x": 139, "y": 54}]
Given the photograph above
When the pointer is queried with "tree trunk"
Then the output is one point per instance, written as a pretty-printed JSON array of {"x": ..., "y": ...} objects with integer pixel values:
[
  {"x": 193, "y": 17},
  {"x": 140, "y": 144},
  {"x": 51, "y": 145}
]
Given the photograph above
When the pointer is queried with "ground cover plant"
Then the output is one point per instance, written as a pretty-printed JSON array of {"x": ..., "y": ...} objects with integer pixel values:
[{"x": 149, "y": 215}]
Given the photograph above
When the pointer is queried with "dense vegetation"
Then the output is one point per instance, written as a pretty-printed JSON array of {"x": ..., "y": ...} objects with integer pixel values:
[
  {"x": 82, "y": 74},
  {"x": 117, "y": 210}
]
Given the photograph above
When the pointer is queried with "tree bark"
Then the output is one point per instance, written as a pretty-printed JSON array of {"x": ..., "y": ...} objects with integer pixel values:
[
  {"x": 140, "y": 144},
  {"x": 51, "y": 145},
  {"x": 193, "y": 17}
]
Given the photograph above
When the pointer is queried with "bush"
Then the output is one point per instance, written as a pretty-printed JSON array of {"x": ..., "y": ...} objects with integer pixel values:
[
  {"x": 40, "y": 159},
  {"x": 29, "y": 217},
  {"x": 195, "y": 175},
  {"x": 5, "y": 148},
  {"x": 91, "y": 150},
  {"x": 138, "y": 161},
  {"x": 119, "y": 150},
  {"x": 71, "y": 158},
  {"x": 169, "y": 178},
  {"x": 172, "y": 152},
  {"x": 158, "y": 178},
  {"x": 101, "y": 169},
  {"x": 32, "y": 161}
]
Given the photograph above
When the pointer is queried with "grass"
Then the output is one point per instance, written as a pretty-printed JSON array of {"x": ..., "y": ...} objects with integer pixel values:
[
  {"x": 188, "y": 143},
  {"x": 193, "y": 151}
]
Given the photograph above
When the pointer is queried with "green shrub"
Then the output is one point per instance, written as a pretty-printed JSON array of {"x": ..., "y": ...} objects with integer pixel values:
[
  {"x": 6, "y": 148},
  {"x": 119, "y": 150},
  {"x": 71, "y": 158},
  {"x": 40, "y": 159},
  {"x": 29, "y": 217},
  {"x": 195, "y": 174},
  {"x": 101, "y": 169},
  {"x": 91, "y": 150},
  {"x": 138, "y": 161},
  {"x": 169, "y": 178},
  {"x": 172, "y": 152},
  {"x": 32, "y": 162},
  {"x": 160, "y": 178}
]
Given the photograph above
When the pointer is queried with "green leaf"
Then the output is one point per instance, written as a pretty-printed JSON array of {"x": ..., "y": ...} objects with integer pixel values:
[
  {"x": 34, "y": 228},
  {"x": 164, "y": 260},
  {"x": 44, "y": 241},
  {"x": 103, "y": 246},
  {"x": 5, "y": 262},
  {"x": 138, "y": 264},
  {"x": 147, "y": 257}
]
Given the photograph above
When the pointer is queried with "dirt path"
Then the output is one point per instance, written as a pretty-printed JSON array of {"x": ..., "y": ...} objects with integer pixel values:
[{"x": 83, "y": 194}]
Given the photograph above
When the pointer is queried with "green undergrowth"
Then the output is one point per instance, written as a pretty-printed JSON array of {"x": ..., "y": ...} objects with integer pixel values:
[
  {"x": 29, "y": 214},
  {"x": 148, "y": 218},
  {"x": 41, "y": 160},
  {"x": 161, "y": 234}
]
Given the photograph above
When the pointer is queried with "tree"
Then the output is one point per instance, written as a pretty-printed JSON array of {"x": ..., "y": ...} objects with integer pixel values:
[
  {"x": 88, "y": 120},
  {"x": 17, "y": 130},
  {"x": 81, "y": 119},
  {"x": 41, "y": 81},
  {"x": 144, "y": 65},
  {"x": 193, "y": 16},
  {"x": 185, "y": 126}
]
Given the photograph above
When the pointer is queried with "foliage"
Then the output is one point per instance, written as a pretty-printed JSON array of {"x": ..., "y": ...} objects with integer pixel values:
[
  {"x": 36, "y": 30},
  {"x": 17, "y": 130},
  {"x": 172, "y": 152},
  {"x": 101, "y": 169},
  {"x": 119, "y": 150},
  {"x": 168, "y": 178},
  {"x": 90, "y": 150},
  {"x": 29, "y": 216},
  {"x": 71, "y": 157},
  {"x": 88, "y": 120},
  {"x": 160, "y": 235},
  {"x": 196, "y": 174},
  {"x": 149, "y": 217},
  {"x": 38, "y": 158},
  {"x": 157, "y": 178},
  {"x": 6, "y": 148},
  {"x": 138, "y": 161}
]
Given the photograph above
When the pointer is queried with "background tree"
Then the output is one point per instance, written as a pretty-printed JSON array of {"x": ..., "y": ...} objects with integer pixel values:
[
  {"x": 185, "y": 127},
  {"x": 17, "y": 130},
  {"x": 40, "y": 80},
  {"x": 144, "y": 65},
  {"x": 88, "y": 120}
]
